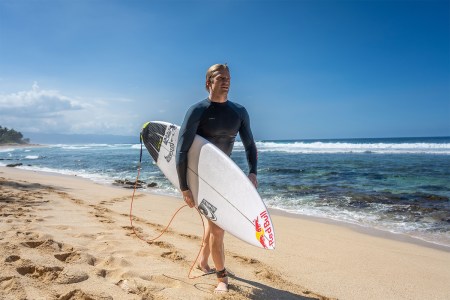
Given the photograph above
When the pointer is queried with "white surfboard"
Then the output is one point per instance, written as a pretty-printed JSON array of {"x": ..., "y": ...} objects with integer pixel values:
[{"x": 222, "y": 192}]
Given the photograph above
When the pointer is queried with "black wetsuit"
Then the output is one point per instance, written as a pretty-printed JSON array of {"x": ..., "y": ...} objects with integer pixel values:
[{"x": 219, "y": 123}]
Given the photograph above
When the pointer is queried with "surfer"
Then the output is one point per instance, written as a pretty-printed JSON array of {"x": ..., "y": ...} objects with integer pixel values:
[{"x": 219, "y": 121}]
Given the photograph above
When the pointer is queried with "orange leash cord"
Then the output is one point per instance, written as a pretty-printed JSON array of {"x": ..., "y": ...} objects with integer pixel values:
[{"x": 165, "y": 229}]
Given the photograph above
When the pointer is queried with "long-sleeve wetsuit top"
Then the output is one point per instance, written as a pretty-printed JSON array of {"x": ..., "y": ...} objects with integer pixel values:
[{"x": 219, "y": 123}]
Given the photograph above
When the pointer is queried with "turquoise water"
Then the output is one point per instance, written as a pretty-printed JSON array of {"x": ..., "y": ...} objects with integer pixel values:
[{"x": 396, "y": 185}]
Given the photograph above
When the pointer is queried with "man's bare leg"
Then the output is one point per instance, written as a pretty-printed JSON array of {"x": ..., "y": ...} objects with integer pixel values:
[
  {"x": 202, "y": 262},
  {"x": 217, "y": 253}
]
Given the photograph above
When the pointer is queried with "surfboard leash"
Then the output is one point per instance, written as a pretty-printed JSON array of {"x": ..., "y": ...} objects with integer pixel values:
[{"x": 170, "y": 222}]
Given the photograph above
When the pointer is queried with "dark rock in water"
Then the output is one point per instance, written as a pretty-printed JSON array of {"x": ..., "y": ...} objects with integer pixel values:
[
  {"x": 129, "y": 184},
  {"x": 436, "y": 198},
  {"x": 14, "y": 165},
  {"x": 152, "y": 184}
]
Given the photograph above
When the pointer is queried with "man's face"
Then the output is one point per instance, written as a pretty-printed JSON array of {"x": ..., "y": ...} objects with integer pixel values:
[{"x": 220, "y": 82}]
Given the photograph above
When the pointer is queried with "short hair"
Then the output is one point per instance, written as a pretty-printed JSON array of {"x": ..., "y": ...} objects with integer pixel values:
[{"x": 212, "y": 70}]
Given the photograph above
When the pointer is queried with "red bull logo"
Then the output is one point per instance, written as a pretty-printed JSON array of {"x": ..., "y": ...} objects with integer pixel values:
[
  {"x": 260, "y": 233},
  {"x": 264, "y": 232}
]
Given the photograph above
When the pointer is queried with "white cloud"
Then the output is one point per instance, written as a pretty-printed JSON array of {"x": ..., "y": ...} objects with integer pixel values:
[
  {"x": 36, "y": 103},
  {"x": 50, "y": 111}
]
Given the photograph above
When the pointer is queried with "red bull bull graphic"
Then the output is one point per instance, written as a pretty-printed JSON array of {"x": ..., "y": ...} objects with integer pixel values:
[
  {"x": 260, "y": 233},
  {"x": 264, "y": 232}
]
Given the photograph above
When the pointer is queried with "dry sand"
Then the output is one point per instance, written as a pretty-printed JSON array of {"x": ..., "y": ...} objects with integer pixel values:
[{"x": 63, "y": 237}]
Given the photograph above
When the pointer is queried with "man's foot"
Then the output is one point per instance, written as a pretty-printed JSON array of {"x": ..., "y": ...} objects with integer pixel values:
[
  {"x": 206, "y": 269},
  {"x": 222, "y": 287}
]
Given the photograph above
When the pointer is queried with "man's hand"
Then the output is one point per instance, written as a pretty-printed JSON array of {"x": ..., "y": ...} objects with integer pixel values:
[
  {"x": 252, "y": 177},
  {"x": 188, "y": 198}
]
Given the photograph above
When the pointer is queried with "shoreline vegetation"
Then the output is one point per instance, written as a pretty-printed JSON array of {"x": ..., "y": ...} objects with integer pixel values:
[{"x": 12, "y": 137}]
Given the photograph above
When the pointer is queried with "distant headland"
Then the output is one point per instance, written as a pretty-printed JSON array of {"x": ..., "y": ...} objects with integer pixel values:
[{"x": 12, "y": 137}]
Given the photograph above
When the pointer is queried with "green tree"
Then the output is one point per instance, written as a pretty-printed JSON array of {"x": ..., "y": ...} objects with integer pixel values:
[{"x": 11, "y": 136}]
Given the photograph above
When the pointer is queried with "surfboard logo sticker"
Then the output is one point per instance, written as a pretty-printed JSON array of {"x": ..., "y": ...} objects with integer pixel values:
[
  {"x": 208, "y": 210},
  {"x": 259, "y": 233},
  {"x": 264, "y": 232},
  {"x": 168, "y": 139}
]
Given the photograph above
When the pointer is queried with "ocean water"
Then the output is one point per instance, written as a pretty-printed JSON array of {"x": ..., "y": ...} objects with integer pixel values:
[{"x": 397, "y": 185}]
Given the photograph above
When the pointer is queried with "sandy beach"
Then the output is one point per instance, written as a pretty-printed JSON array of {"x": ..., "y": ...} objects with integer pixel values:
[{"x": 63, "y": 237}]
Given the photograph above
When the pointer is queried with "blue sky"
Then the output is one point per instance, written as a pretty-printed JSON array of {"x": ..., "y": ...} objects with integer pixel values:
[{"x": 303, "y": 69}]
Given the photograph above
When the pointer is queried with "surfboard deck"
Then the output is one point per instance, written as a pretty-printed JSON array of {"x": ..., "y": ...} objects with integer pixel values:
[{"x": 221, "y": 190}]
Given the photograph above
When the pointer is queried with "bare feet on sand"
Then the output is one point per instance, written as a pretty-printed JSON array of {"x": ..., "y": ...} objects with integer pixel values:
[
  {"x": 205, "y": 269},
  {"x": 222, "y": 286}
]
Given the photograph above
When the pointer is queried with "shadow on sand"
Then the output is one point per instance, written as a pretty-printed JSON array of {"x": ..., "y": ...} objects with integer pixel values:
[{"x": 250, "y": 290}]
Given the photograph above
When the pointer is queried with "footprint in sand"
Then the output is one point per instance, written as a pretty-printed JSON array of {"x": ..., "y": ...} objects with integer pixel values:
[
  {"x": 47, "y": 245},
  {"x": 107, "y": 221},
  {"x": 51, "y": 274},
  {"x": 268, "y": 274},
  {"x": 32, "y": 244},
  {"x": 101, "y": 273},
  {"x": 101, "y": 214},
  {"x": 173, "y": 255},
  {"x": 29, "y": 235},
  {"x": 46, "y": 274},
  {"x": 67, "y": 196},
  {"x": 146, "y": 286},
  {"x": 158, "y": 227},
  {"x": 190, "y": 236},
  {"x": 246, "y": 260},
  {"x": 113, "y": 262},
  {"x": 262, "y": 271},
  {"x": 10, "y": 285},
  {"x": 139, "y": 287},
  {"x": 76, "y": 257},
  {"x": 42, "y": 273},
  {"x": 79, "y": 294},
  {"x": 137, "y": 231},
  {"x": 12, "y": 258},
  {"x": 125, "y": 198},
  {"x": 161, "y": 244}
]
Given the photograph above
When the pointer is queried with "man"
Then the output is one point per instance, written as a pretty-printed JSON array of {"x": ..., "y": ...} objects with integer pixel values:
[{"x": 218, "y": 120}]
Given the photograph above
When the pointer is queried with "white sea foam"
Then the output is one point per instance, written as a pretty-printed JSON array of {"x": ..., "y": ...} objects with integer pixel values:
[
  {"x": 74, "y": 147},
  {"x": 95, "y": 146},
  {"x": 81, "y": 173},
  {"x": 368, "y": 219},
  {"x": 342, "y": 147},
  {"x": 32, "y": 157}
]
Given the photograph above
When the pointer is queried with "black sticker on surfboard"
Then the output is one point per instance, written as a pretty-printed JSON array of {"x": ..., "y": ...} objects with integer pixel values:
[
  {"x": 152, "y": 136},
  {"x": 208, "y": 210},
  {"x": 169, "y": 142}
]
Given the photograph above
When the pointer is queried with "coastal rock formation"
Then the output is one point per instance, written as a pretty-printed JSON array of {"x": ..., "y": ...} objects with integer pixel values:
[
  {"x": 129, "y": 184},
  {"x": 14, "y": 165}
]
